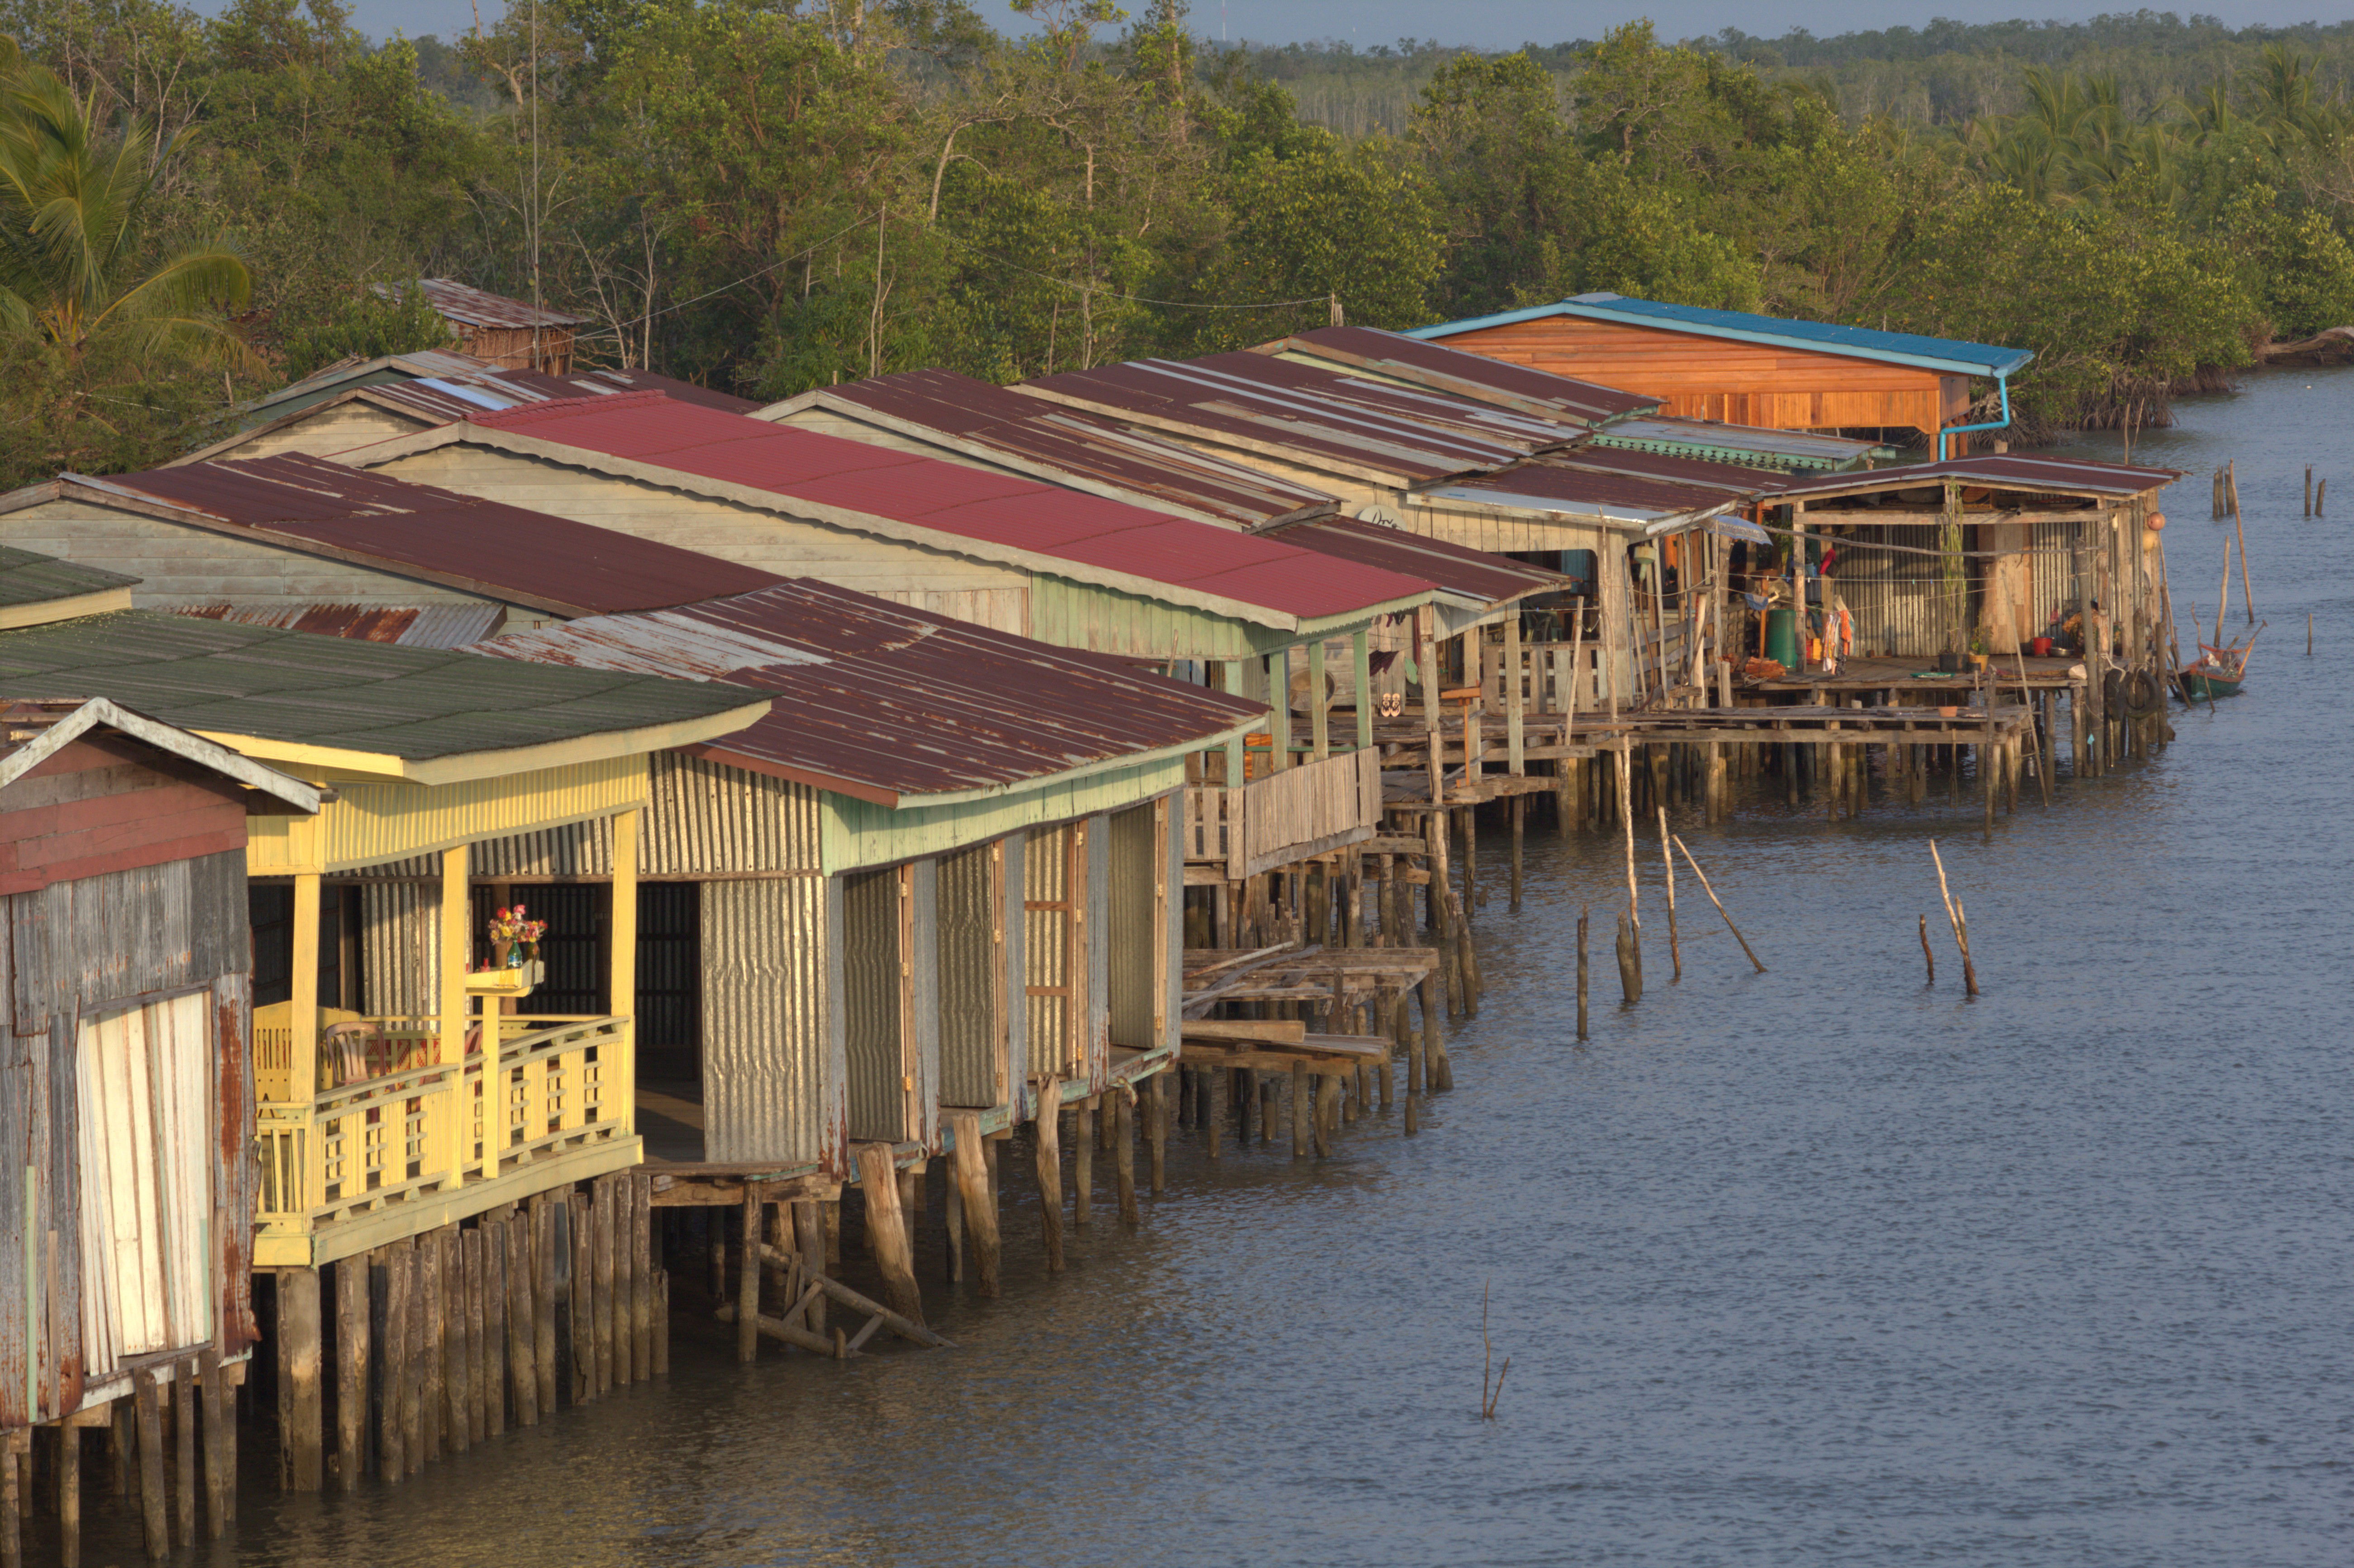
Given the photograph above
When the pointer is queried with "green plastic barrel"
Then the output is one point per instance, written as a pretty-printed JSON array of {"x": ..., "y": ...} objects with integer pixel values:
[{"x": 1782, "y": 637}]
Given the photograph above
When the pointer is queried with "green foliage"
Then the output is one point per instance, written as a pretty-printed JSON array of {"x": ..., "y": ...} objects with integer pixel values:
[{"x": 366, "y": 323}]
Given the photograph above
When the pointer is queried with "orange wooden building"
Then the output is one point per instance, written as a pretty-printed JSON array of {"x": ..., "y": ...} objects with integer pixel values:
[{"x": 1746, "y": 369}]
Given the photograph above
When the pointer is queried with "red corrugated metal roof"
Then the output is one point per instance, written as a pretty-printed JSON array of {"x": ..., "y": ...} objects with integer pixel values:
[
  {"x": 1998, "y": 470},
  {"x": 486, "y": 546},
  {"x": 415, "y": 626},
  {"x": 988, "y": 511},
  {"x": 1541, "y": 485},
  {"x": 1474, "y": 375},
  {"x": 1457, "y": 569},
  {"x": 1034, "y": 434},
  {"x": 1321, "y": 419},
  {"x": 882, "y": 702}
]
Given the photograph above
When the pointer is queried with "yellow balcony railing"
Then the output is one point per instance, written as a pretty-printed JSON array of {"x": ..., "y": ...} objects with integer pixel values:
[{"x": 405, "y": 1117}]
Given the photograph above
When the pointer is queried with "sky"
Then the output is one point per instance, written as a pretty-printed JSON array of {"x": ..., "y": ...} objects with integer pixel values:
[{"x": 1487, "y": 24}]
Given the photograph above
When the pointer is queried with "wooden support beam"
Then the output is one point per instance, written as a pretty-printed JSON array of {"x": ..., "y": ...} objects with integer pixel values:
[
  {"x": 147, "y": 1401},
  {"x": 886, "y": 1229},
  {"x": 1123, "y": 1167},
  {"x": 748, "y": 1289},
  {"x": 969, "y": 1171},
  {"x": 301, "y": 1416},
  {"x": 1046, "y": 1126},
  {"x": 1083, "y": 1161}
]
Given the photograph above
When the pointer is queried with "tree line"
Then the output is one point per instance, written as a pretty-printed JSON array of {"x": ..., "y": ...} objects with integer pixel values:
[{"x": 767, "y": 195}]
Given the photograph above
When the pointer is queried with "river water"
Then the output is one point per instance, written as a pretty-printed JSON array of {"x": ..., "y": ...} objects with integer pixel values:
[{"x": 1821, "y": 1266}]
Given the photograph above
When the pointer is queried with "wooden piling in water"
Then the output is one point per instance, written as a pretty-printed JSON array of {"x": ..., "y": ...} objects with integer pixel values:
[
  {"x": 1582, "y": 914},
  {"x": 878, "y": 1182},
  {"x": 1046, "y": 1125},
  {"x": 970, "y": 1170},
  {"x": 147, "y": 1402},
  {"x": 1083, "y": 1161},
  {"x": 1123, "y": 1155},
  {"x": 1630, "y": 966}
]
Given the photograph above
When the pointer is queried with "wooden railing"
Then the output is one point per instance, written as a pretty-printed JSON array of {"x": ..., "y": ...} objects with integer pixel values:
[
  {"x": 1300, "y": 811},
  {"x": 433, "y": 1122}
]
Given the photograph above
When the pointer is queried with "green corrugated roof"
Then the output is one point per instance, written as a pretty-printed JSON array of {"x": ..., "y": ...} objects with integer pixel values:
[
  {"x": 412, "y": 702},
  {"x": 30, "y": 578}
]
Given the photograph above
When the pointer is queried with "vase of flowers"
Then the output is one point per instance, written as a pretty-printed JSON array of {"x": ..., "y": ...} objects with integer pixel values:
[{"x": 514, "y": 938}]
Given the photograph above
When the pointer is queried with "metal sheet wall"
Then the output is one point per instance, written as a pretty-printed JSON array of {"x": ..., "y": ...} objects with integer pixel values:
[
  {"x": 1898, "y": 602},
  {"x": 1017, "y": 925},
  {"x": 1134, "y": 873},
  {"x": 1173, "y": 936},
  {"x": 70, "y": 950},
  {"x": 400, "y": 948},
  {"x": 972, "y": 979},
  {"x": 869, "y": 1004},
  {"x": 1094, "y": 1058},
  {"x": 772, "y": 1070},
  {"x": 922, "y": 1055}
]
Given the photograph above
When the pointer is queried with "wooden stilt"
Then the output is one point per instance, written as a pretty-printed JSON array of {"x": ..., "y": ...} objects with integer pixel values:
[
  {"x": 1157, "y": 1131},
  {"x": 69, "y": 1486},
  {"x": 12, "y": 1507},
  {"x": 457, "y": 1409},
  {"x": 969, "y": 1171},
  {"x": 878, "y": 1183},
  {"x": 601, "y": 1280},
  {"x": 301, "y": 1416},
  {"x": 389, "y": 1287},
  {"x": 580, "y": 1293},
  {"x": 523, "y": 1315},
  {"x": 1327, "y": 1113},
  {"x": 911, "y": 1198},
  {"x": 494, "y": 1320},
  {"x": 952, "y": 1224},
  {"x": 1582, "y": 915},
  {"x": 1299, "y": 1111},
  {"x": 1519, "y": 817},
  {"x": 432, "y": 1304},
  {"x": 352, "y": 1356},
  {"x": 1211, "y": 1116},
  {"x": 184, "y": 1453},
  {"x": 1046, "y": 1127},
  {"x": 809, "y": 1228},
  {"x": 748, "y": 1287},
  {"x": 1083, "y": 1161},
  {"x": 625, "y": 1279},
  {"x": 547, "y": 1267},
  {"x": 147, "y": 1400},
  {"x": 478, "y": 1357},
  {"x": 1123, "y": 1157}
]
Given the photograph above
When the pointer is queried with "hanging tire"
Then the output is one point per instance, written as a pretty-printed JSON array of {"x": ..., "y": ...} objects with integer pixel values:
[{"x": 2143, "y": 695}]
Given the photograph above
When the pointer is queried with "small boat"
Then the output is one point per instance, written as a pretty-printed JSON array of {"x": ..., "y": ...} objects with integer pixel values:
[{"x": 2218, "y": 672}]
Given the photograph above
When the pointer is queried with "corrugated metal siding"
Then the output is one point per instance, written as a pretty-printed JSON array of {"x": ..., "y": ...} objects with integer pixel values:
[
  {"x": 771, "y": 1067},
  {"x": 1016, "y": 926},
  {"x": 869, "y": 1001},
  {"x": 1094, "y": 1057},
  {"x": 371, "y": 823},
  {"x": 1898, "y": 602},
  {"x": 858, "y": 833},
  {"x": 1173, "y": 936},
  {"x": 709, "y": 817},
  {"x": 1134, "y": 871},
  {"x": 924, "y": 969},
  {"x": 400, "y": 948},
  {"x": 970, "y": 978},
  {"x": 1079, "y": 614},
  {"x": 67, "y": 953}
]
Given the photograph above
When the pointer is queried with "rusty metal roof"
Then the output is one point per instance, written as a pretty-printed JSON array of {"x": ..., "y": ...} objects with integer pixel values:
[
  {"x": 1751, "y": 446},
  {"x": 404, "y": 626},
  {"x": 943, "y": 505},
  {"x": 1457, "y": 570},
  {"x": 442, "y": 384},
  {"x": 883, "y": 702},
  {"x": 28, "y": 578},
  {"x": 480, "y": 547},
  {"x": 1616, "y": 486},
  {"x": 1064, "y": 446},
  {"x": 2018, "y": 472},
  {"x": 1395, "y": 356},
  {"x": 478, "y": 307},
  {"x": 1308, "y": 414}
]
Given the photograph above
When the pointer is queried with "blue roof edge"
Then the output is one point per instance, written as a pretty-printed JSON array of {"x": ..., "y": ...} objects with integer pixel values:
[{"x": 2012, "y": 359}]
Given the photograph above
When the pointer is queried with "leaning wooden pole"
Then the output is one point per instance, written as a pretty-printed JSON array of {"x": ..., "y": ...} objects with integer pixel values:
[
  {"x": 1667, "y": 856},
  {"x": 1713, "y": 898},
  {"x": 1047, "y": 1127},
  {"x": 886, "y": 1230},
  {"x": 1960, "y": 923}
]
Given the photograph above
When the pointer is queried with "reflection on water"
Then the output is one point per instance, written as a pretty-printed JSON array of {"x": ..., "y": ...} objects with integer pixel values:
[{"x": 1813, "y": 1266}]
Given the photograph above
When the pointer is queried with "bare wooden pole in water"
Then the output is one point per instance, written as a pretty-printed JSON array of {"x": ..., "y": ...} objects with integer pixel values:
[
  {"x": 1582, "y": 915},
  {"x": 1960, "y": 923},
  {"x": 1667, "y": 856},
  {"x": 886, "y": 1227},
  {"x": 1925, "y": 952},
  {"x": 1713, "y": 898},
  {"x": 1047, "y": 1127}
]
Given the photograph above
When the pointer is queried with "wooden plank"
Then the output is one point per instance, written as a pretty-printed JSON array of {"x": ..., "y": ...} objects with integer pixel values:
[{"x": 1274, "y": 1030}]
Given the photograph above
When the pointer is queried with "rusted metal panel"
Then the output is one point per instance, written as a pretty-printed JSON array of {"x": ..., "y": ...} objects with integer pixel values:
[
  {"x": 1458, "y": 569},
  {"x": 238, "y": 1176},
  {"x": 2020, "y": 475},
  {"x": 708, "y": 817},
  {"x": 411, "y": 626},
  {"x": 1098, "y": 453},
  {"x": 478, "y": 307},
  {"x": 1348, "y": 424},
  {"x": 400, "y": 948},
  {"x": 772, "y": 1061},
  {"x": 480, "y": 545},
  {"x": 1015, "y": 923},
  {"x": 1451, "y": 370},
  {"x": 1095, "y": 861},
  {"x": 881, "y": 701}
]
